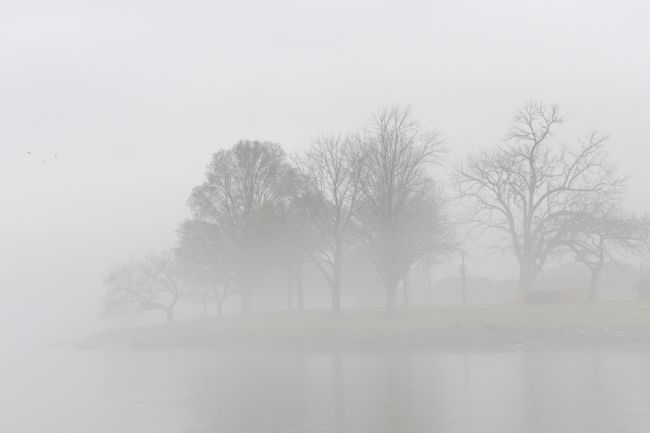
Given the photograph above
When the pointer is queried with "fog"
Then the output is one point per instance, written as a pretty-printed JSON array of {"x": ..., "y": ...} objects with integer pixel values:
[{"x": 113, "y": 112}]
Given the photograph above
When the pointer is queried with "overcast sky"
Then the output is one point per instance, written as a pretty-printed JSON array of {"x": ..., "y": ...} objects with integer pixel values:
[{"x": 136, "y": 95}]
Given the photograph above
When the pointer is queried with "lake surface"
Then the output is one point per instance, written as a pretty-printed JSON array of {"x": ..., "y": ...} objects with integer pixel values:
[{"x": 69, "y": 390}]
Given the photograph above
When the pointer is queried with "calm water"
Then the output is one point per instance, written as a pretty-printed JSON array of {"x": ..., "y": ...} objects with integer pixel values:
[{"x": 118, "y": 391}]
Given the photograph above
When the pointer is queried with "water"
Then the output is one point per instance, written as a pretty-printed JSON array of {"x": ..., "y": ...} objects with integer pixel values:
[{"x": 154, "y": 391}]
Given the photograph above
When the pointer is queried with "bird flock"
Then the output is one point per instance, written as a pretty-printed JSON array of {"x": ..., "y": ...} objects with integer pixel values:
[{"x": 44, "y": 160}]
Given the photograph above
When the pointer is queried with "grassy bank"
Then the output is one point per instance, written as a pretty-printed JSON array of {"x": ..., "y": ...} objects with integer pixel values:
[{"x": 445, "y": 327}]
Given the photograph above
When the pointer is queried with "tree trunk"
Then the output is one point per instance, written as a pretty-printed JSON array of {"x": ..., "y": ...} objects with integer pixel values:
[
  {"x": 205, "y": 309},
  {"x": 336, "y": 283},
  {"x": 336, "y": 300},
  {"x": 391, "y": 297},
  {"x": 405, "y": 289},
  {"x": 245, "y": 299},
  {"x": 463, "y": 280},
  {"x": 335, "y": 286},
  {"x": 220, "y": 301},
  {"x": 289, "y": 291},
  {"x": 596, "y": 268},
  {"x": 169, "y": 315},
  {"x": 593, "y": 283},
  {"x": 301, "y": 303},
  {"x": 525, "y": 280}
]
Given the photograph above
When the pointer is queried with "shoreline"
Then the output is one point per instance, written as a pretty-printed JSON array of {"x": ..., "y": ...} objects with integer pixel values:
[{"x": 510, "y": 326}]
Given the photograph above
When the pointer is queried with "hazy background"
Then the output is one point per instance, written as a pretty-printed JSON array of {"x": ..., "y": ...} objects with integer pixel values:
[{"x": 136, "y": 95}]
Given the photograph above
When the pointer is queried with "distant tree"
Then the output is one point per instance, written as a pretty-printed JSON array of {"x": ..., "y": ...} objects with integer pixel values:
[
  {"x": 290, "y": 257},
  {"x": 532, "y": 191},
  {"x": 205, "y": 262},
  {"x": 402, "y": 215},
  {"x": 242, "y": 197},
  {"x": 608, "y": 235},
  {"x": 326, "y": 206},
  {"x": 152, "y": 283}
]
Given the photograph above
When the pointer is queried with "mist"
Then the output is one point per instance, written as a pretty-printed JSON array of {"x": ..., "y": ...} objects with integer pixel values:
[{"x": 122, "y": 122}]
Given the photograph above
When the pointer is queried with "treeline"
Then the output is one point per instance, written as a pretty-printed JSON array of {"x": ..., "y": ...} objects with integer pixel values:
[{"x": 379, "y": 191}]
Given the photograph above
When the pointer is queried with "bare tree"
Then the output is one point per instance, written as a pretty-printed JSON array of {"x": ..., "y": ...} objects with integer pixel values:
[
  {"x": 242, "y": 197},
  {"x": 205, "y": 263},
  {"x": 532, "y": 191},
  {"x": 609, "y": 235},
  {"x": 402, "y": 217},
  {"x": 152, "y": 283},
  {"x": 290, "y": 255},
  {"x": 327, "y": 203}
]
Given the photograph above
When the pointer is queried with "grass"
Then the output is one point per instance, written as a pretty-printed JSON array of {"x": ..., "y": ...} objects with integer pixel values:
[{"x": 476, "y": 325}]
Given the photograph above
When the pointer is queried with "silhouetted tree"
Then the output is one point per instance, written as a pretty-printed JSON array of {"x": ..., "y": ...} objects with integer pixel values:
[
  {"x": 152, "y": 283},
  {"x": 402, "y": 214},
  {"x": 326, "y": 205},
  {"x": 205, "y": 262},
  {"x": 533, "y": 191},
  {"x": 290, "y": 254},
  {"x": 243, "y": 195},
  {"x": 607, "y": 235}
]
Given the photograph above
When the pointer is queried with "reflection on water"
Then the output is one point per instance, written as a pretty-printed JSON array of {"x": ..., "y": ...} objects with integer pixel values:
[{"x": 120, "y": 391}]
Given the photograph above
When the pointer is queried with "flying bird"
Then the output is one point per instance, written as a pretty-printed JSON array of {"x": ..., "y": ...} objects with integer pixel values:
[{"x": 43, "y": 161}]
